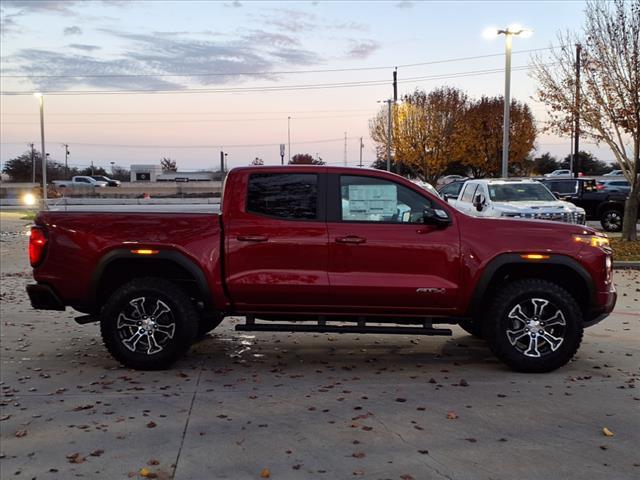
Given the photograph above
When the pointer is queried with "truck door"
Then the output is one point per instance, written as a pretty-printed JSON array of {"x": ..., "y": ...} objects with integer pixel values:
[
  {"x": 382, "y": 257},
  {"x": 276, "y": 242}
]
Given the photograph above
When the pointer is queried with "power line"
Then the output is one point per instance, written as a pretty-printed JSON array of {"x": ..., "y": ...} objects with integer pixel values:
[
  {"x": 276, "y": 88},
  {"x": 263, "y": 73},
  {"x": 272, "y": 112}
]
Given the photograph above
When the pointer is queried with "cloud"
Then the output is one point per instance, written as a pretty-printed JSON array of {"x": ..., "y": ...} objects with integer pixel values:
[
  {"x": 298, "y": 21},
  {"x": 235, "y": 4},
  {"x": 362, "y": 48},
  {"x": 75, "y": 30},
  {"x": 149, "y": 62},
  {"x": 55, "y": 6},
  {"x": 83, "y": 47},
  {"x": 404, "y": 4},
  {"x": 8, "y": 25},
  {"x": 268, "y": 38}
]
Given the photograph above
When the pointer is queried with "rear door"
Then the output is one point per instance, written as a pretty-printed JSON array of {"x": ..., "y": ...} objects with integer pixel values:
[
  {"x": 276, "y": 242},
  {"x": 382, "y": 257}
]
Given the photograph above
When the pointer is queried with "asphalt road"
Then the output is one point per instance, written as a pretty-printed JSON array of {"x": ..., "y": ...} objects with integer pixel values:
[{"x": 300, "y": 406}]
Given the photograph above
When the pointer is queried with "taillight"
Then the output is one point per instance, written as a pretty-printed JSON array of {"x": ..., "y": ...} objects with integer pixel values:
[
  {"x": 37, "y": 245},
  {"x": 599, "y": 186}
]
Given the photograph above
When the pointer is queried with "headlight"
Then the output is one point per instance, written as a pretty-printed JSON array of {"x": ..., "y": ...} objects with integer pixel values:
[{"x": 593, "y": 240}]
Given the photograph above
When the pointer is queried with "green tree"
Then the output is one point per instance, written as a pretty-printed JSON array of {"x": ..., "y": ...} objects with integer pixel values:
[
  {"x": 588, "y": 164},
  {"x": 545, "y": 163},
  {"x": 20, "y": 168}
]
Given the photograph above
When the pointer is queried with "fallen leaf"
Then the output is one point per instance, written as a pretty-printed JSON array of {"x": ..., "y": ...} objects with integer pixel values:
[
  {"x": 451, "y": 415},
  {"x": 153, "y": 461},
  {"x": 4, "y": 417},
  {"x": 151, "y": 424},
  {"x": 97, "y": 453},
  {"x": 75, "y": 458},
  {"x": 265, "y": 473},
  {"x": 606, "y": 432},
  {"x": 358, "y": 455},
  {"x": 21, "y": 433}
]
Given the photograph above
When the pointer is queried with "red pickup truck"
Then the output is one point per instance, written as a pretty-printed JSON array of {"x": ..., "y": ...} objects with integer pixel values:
[{"x": 323, "y": 249}]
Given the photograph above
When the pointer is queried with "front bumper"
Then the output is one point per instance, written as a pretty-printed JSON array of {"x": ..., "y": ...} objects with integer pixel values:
[
  {"x": 43, "y": 297},
  {"x": 606, "y": 303}
]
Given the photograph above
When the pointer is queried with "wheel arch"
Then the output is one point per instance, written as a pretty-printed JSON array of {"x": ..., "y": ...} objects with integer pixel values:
[
  {"x": 119, "y": 266},
  {"x": 559, "y": 269}
]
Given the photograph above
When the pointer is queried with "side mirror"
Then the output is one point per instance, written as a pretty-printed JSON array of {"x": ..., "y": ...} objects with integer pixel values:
[
  {"x": 478, "y": 202},
  {"x": 449, "y": 196},
  {"x": 436, "y": 217}
]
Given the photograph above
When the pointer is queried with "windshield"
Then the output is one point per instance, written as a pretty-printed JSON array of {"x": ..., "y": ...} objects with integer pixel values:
[{"x": 520, "y": 192}]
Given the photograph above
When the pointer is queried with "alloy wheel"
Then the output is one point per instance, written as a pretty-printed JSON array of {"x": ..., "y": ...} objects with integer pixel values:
[
  {"x": 146, "y": 325},
  {"x": 537, "y": 327}
]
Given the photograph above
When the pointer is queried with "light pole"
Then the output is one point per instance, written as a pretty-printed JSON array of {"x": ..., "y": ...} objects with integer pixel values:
[
  {"x": 40, "y": 97},
  {"x": 508, "y": 33},
  {"x": 289, "y": 137}
]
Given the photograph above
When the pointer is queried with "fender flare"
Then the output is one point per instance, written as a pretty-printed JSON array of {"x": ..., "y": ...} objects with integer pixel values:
[
  {"x": 170, "y": 255},
  {"x": 515, "y": 259}
]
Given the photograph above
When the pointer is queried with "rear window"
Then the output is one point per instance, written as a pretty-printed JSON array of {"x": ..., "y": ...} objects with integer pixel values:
[
  {"x": 292, "y": 196},
  {"x": 563, "y": 186}
]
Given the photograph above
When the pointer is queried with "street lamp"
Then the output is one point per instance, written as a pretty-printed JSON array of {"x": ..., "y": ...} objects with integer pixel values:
[
  {"x": 40, "y": 98},
  {"x": 510, "y": 31}
]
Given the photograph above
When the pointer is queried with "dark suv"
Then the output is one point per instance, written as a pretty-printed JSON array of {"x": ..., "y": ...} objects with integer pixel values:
[{"x": 607, "y": 207}]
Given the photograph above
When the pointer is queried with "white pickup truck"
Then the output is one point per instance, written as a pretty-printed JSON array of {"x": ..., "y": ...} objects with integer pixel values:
[
  {"x": 526, "y": 199},
  {"x": 79, "y": 181}
]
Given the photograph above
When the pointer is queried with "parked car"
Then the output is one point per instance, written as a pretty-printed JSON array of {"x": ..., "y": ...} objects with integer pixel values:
[
  {"x": 558, "y": 173},
  {"x": 110, "y": 182},
  {"x": 613, "y": 173},
  {"x": 428, "y": 187},
  {"x": 79, "y": 180},
  {"x": 451, "y": 190},
  {"x": 606, "y": 207},
  {"x": 323, "y": 249},
  {"x": 523, "y": 199},
  {"x": 613, "y": 185},
  {"x": 448, "y": 179}
]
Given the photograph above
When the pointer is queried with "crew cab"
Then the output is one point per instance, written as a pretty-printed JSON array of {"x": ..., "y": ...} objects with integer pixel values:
[
  {"x": 80, "y": 181},
  {"x": 323, "y": 249},
  {"x": 513, "y": 198}
]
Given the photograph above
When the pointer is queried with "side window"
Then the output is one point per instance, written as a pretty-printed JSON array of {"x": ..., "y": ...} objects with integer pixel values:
[
  {"x": 452, "y": 189},
  {"x": 83, "y": 180},
  {"x": 563, "y": 186},
  {"x": 291, "y": 196},
  {"x": 469, "y": 192},
  {"x": 368, "y": 199}
]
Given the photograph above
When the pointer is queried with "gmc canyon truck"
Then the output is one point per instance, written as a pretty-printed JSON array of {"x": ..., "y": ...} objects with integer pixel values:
[{"x": 323, "y": 249}]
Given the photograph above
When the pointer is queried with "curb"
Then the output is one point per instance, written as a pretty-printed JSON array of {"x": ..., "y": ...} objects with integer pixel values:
[{"x": 626, "y": 265}]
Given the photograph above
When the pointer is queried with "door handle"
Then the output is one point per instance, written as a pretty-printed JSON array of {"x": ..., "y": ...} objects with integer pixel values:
[
  {"x": 352, "y": 239},
  {"x": 252, "y": 238}
]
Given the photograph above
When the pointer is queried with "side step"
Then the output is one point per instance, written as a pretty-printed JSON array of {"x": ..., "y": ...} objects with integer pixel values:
[{"x": 322, "y": 327}]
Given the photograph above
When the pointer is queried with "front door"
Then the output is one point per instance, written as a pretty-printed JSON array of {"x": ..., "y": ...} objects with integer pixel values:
[
  {"x": 382, "y": 257},
  {"x": 276, "y": 244}
]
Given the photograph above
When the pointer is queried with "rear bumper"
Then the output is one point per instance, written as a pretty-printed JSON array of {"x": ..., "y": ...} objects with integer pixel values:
[
  {"x": 43, "y": 297},
  {"x": 606, "y": 303}
]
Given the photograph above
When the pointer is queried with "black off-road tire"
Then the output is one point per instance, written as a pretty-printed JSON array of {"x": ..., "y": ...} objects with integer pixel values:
[
  {"x": 523, "y": 293},
  {"x": 472, "y": 326},
  {"x": 155, "y": 292},
  {"x": 611, "y": 220}
]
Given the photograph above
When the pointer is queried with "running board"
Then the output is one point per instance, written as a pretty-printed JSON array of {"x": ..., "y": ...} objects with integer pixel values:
[{"x": 287, "y": 327}]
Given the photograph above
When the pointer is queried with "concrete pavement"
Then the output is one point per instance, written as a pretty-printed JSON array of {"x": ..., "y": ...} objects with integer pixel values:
[{"x": 298, "y": 406}]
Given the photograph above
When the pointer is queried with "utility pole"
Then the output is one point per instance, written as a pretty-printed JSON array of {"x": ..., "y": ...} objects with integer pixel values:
[
  {"x": 395, "y": 85},
  {"x": 576, "y": 139},
  {"x": 91, "y": 167},
  {"x": 345, "y": 149},
  {"x": 361, "y": 146},
  {"x": 389, "y": 137},
  {"x": 66, "y": 155},
  {"x": 507, "y": 105},
  {"x": 289, "y": 136},
  {"x": 33, "y": 164},
  {"x": 222, "y": 164}
]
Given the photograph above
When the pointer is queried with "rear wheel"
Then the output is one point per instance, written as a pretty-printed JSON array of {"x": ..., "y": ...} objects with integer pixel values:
[
  {"x": 148, "y": 323},
  {"x": 534, "y": 326},
  {"x": 611, "y": 220}
]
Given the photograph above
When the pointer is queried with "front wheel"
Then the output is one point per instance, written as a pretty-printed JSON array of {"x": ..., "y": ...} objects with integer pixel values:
[
  {"x": 534, "y": 326},
  {"x": 148, "y": 323},
  {"x": 611, "y": 220}
]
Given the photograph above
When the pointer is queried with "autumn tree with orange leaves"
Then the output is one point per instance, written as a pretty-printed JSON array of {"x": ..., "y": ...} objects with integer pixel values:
[{"x": 483, "y": 136}]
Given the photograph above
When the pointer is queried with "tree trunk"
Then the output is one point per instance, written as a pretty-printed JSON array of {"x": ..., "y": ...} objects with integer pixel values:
[{"x": 629, "y": 231}]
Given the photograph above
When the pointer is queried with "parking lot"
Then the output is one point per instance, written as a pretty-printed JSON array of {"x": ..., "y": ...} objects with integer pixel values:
[{"x": 309, "y": 405}]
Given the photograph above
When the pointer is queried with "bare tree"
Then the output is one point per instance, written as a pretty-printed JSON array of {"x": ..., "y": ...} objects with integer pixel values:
[
  {"x": 168, "y": 165},
  {"x": 609, "y": 89}
]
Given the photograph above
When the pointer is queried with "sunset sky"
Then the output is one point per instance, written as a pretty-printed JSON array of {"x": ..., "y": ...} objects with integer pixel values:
[{"x": 188, "y": 57}]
